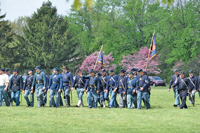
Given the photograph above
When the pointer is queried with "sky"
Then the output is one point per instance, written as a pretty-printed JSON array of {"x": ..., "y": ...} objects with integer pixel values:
[{"x": 16, "y": 8}]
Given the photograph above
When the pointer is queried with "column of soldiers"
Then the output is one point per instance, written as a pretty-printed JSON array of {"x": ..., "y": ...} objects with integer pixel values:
[
  {"x": 131, "y": 88},
  {"x": 184, "y": 86}
]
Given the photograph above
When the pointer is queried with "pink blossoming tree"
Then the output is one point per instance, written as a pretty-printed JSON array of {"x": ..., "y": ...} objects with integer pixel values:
[
  {"x": 90, "y": 61},
  {"x": 139, "y": 59}
]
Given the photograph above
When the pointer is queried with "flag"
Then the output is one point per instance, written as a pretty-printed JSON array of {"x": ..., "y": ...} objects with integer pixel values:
[
  {"x": 153, "y": 48},
  {"x": 101, "y": 59}
]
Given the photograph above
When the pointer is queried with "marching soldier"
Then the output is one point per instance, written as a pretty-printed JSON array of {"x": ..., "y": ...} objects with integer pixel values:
[
  {"x": 100, "y": 98},
  {"x": 182, "y": 87},
  {"x": 16, "y": 85},
  {"x": 4, "y": 83},
  {"x": 93, "y": 89},
  {"x": 192, "y": 87},
  {"x": 176, "y": 94},
  {"x": 46, "y": 88},
  {"x": 55, "y": 87},
  {"x": 67, "y": 85},
  {"x": 9, "y": 90},
  {"x": 197, "y": 81},
  {"x": 149, "y": 87},
  {"x": 142, "y": 90},
  {"x": 131, "y": 91},
  {"x": 27, "y": 89},
  {"x": 112, "y": 87},
  {"x": 122, "y": 88},
  {"x": 103, "y": 96},
  {"x": 80, "y": 84},
  {"x": 39, "y": 82}
]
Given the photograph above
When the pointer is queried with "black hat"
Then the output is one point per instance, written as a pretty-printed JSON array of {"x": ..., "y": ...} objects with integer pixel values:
[
  {"x": 15, "y": 70},
  {"x": 92, "y": 71},
  {"x": 182, "y": 72},
  {"x": 30, "y": 69},
  {"x": 139, "y": 70},
  {"x": 122, "y": 71},
  {"x": 190, "y": 71},
  {"x": 134, "y": 69},
  {"x": 98, "y": 74},
  {"x": 7, "y": 69},
  {"x": 103, "y": 70},
  {"x": 2, "y": 69},
  {"x": 110, "y": 71}
]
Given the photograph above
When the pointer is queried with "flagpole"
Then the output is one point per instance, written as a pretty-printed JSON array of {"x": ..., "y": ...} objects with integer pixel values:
[
  {"x": 98, "y": 57},
  {"x": 150, "y": 50}
]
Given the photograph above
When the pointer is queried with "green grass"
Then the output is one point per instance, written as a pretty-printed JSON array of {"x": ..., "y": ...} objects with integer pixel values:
[{"x": 162, "y": 117}]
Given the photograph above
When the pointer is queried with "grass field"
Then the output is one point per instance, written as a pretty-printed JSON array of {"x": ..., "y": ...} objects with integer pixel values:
[{"x": 162, "y": 117}]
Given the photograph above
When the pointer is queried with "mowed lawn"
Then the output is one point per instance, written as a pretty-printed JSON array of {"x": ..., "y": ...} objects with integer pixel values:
[{"x": 162, "y": 117}]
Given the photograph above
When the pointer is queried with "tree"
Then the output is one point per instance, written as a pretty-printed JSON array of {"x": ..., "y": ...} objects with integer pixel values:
[
  {"x": 11, "y": 54},
  {"x": 48, "y": 40},
  {"x": 90, "y": 61},
  {"x": 139, "y": 59},
  {"x": 192, "y": 64}
]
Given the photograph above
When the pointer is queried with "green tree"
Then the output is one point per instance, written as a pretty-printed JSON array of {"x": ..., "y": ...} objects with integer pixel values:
[
  {"x": 10, "y": 52},
  {"x": 47, "y": 38}
]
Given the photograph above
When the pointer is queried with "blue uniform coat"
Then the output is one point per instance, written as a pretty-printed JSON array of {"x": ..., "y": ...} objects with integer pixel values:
[
  {"x": 56, "y": 82},
  {"x": 111, "y": 82},
  {"x": 16, "y": 83}
]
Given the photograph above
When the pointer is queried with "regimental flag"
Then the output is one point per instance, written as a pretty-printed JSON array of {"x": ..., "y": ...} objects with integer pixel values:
[
  {"x": 101, "y": 59},
  {"x": 153, "y": 47}
]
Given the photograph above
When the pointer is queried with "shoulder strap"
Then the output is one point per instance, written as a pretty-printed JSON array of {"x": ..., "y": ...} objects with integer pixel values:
[
  {"x": 191, "y": 82},
  {"x": 30, "y": 78},
  {"x": 15, "y": 78},
  {"x": 103, "y": 79},
  {"x": 81, "y": 80},
  {"x": 184, "y": 82},
  {"x": 122, "y": 83},
  {"x": 112, "y": 79}
]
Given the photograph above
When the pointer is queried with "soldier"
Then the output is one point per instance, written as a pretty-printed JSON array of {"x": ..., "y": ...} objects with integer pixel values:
[
  {"x": 67, "y": 85},
  {"x": 192, "y": 87},
  {"x": 39, "y": 82},
  {"x": 100, "y": 96},
  {"x": 16, "y": 85},
  {"x": 9, "y": 90},
  {"x": 182, "y": 87},
  {"x": 55, "y": 87},
  {"x": 46, "y": 88},
  {"x": 122, "y": 88},
  {"x": 142, "y": 90},
  {"x": 103, "y": 96},
  {"x": 149, "y": 87},
  {"x": 93, "y": 89},
  {"x": 4, "y": 83},
  {"x": 27, "y": 89},
  {"x": 112, "y": 87},
  {"x": 172, "y": 81},
  {"x": 197, "y": 81},
  {"x": 80, "y": 84},
  {"x": 131, "y": 91}
]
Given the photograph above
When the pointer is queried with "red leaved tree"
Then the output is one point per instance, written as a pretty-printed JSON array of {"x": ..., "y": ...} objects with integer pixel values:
[
  {"x": 90, "y": 61},
  {"x": 139, "y": 59}
]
